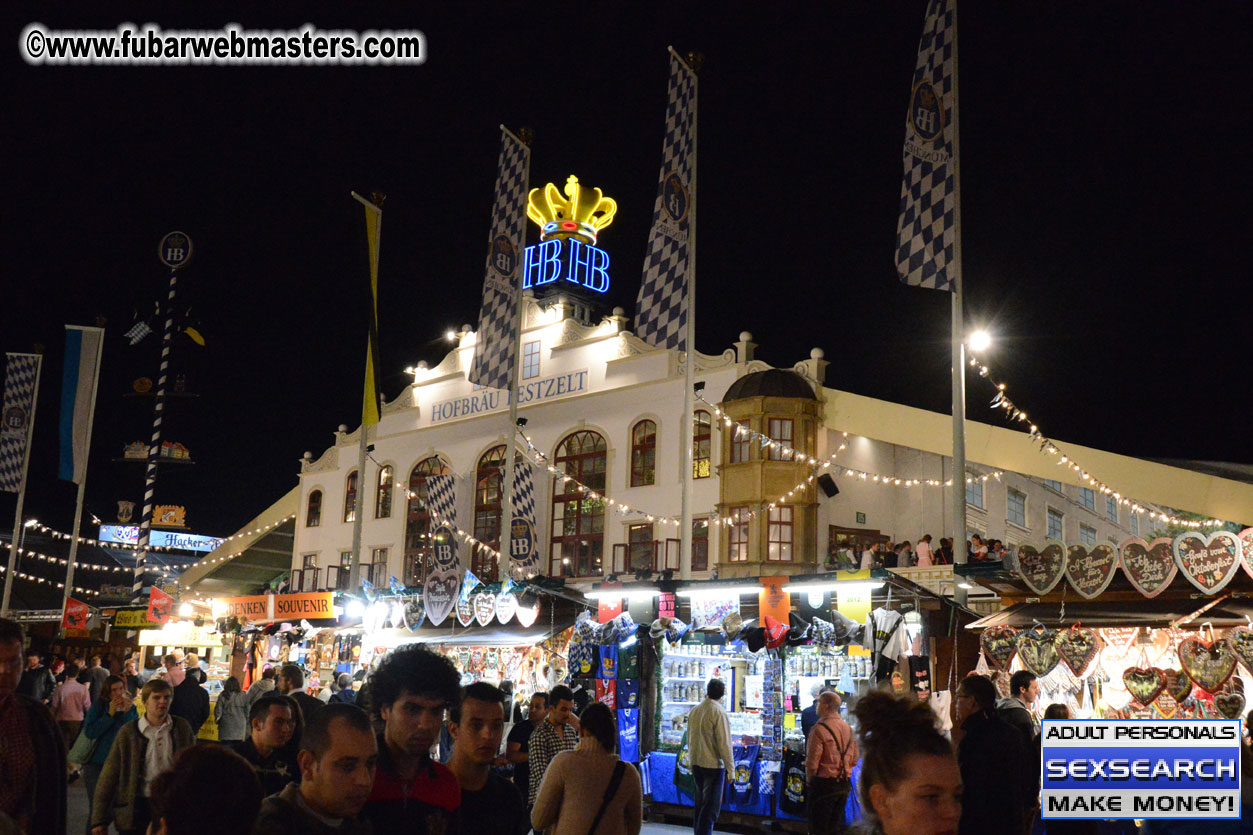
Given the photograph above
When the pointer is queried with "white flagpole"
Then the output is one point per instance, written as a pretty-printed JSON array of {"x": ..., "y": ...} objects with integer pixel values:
[
  {"x": 511, "y": 431},
  {"x": 82, "y": 484},
  {"x": 21, "y": 497},
  {"x": 958, "y": 336},
  {"x": 685, "y": 422}
]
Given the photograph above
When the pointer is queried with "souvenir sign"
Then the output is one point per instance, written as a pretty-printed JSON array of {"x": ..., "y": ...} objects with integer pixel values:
[
  {"x": 999, "y": 645},
  {"x": 1041, "y": 570},
  {"x": 1207, "y": 561},
  {"x": 1148, "y": 566},
  {"x": 1178, "y": 685},
  {"x": 1077, "y": 647},
  {"x": 1230, "y": 705},
  {"x": 465, "y": 612},
  {"x": 526, "y": 616},
  {"x": 1144, "y": 683},
  {"x": 439, "y": 595},
  {"x": 1037, "y": 650},
  {"x": 1246, "y": 548},
  {"x": 1240, "y": 639},
  {"x": 1089, "y": 570},
  {"x": 415, "y": 613},
  {"x": 1208, "y": 665},
  {"x": 484, "y": 608},
  {"x": 506, "y": 605}
]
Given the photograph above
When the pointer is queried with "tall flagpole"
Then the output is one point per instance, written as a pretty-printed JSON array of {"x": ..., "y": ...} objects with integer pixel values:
[
  {"x": 363, "y": 445},
  {"x": 511, "y": 431},
  {"x": 689, "y": 339},
  {"x": 82, "y": 483},
  {"x": 958, "y": 337},
  {"x": 21, "y": 493}
]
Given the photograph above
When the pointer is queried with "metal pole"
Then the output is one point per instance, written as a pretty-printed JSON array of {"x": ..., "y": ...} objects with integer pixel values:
[
  {"x": 82, "y": 485},
  {"x": 18, "y": 531},
  {"x": 958, "y": 337},
  {"x": 154, "y": 446},
  {"x": 685, "y": 423}
]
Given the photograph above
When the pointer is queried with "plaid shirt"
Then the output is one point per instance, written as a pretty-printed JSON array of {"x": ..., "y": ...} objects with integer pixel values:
[{"x": 547, "y": 741}]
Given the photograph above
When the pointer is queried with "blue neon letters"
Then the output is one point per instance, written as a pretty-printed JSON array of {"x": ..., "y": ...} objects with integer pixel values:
[{"x": 567, "y": 260}]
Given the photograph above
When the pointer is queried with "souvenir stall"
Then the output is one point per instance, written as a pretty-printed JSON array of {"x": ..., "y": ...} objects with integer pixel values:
[{"x": 1160, "y": 629}]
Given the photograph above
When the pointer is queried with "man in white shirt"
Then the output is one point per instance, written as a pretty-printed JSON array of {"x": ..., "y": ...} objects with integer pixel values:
[{"x": 713, "y": 763}]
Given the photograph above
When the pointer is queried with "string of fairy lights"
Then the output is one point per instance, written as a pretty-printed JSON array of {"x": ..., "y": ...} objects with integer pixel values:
[
  {"x": 45, "y": 581},
  {"x": 1015, "y": 414}
]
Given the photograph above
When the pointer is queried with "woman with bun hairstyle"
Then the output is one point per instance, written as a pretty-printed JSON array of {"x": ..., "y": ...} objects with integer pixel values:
[{"x": 910, "y": 782}]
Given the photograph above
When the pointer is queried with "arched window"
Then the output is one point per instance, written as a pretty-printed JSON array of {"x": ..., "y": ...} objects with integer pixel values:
[
  {"x": 350, "y": 497},
  {"x": 487, "y": 511},
  {"x": 702, "y": 444},
  {"x": 313, "y": 511},
  {"x": 644, "y": 454},
  {"x": 418, "y": 520},
  {"x": 383, "y": 493},
  {"x": 578, "y": 529}
]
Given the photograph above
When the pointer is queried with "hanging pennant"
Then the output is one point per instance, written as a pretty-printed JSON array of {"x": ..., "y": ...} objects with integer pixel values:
[
  {"x": 484, "y": 608},
  {"x": 506, "y": 605},
  {"x": 999, "y": 643},
  {"x": 468, "y": 584},
  {"x": 1041, "y": 570},
  {"x": 523, "y": 542},
  {"x": 1209, "y": 562},
  {"x": 1148, "y": 566},
  {"x": 1089, "y": 570},
  {"x": 439, "y": 595}
]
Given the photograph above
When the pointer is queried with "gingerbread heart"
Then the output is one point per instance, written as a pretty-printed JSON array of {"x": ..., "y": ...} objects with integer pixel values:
[
  {"x": 1246, "y": 548},
  {"x": 999, "y": 645},
  {"x": 484, "y": 608},
  {"x": 1042, "y": 570},
  {"x": 1230, "y": 705},
  {"x": 506, "y": 605},
  {"x": 465, "y": 611},
  {"x": 1037, "y": 650},
  {"x": 1240, "y": 639},
  {"x": 1149, "y": 566},
  {"x": 1208, "y": 665},
  {"x": 1077, "y": 647},
  {"x": 1178, "y": 684},
  {"x": 1090, "y": 570},
  {"x": 415, "y": 613},
  {"x": 526, "y": 615},
  {"x": 1144, "y": 683},
  {"x": 439, "y": 595},
  {"x": 1209, "y": 562}
]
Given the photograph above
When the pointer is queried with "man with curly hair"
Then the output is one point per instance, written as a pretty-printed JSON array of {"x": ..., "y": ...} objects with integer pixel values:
[{"x": 410, "y": 691}]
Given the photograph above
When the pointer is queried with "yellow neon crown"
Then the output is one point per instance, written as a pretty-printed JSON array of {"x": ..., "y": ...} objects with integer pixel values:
[{"x": 581, "y": 214}]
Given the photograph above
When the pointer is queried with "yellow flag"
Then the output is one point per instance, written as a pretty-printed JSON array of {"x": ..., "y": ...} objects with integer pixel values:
[{"x": 373, "y": 230}]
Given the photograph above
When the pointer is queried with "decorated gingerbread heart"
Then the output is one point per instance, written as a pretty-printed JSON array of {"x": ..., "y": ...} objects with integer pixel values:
[
  {"x": 439, "y": 595},
  {"x": 1037, "y": 650},
  {"x": 999, "y": 645},
  {"x": 1144, "y": 683},
  {"x": 1230, "y": 705},
  {"x": 1208, "y": 665},
  {"x": 1090, "y": 570},
  {"x": 1041, "y": 570},
  {"x": 484, "y": 608},
  {"x": 1240, "y": 639},
  {"x": 1207, "y": 561},
  {"x": 1178, "y": 684},
  {"x": 1077, "y": 647},
  {"x": 1246, "y": 548},
  {"x": 1148, "y": 566},
  {"x": 465, "y": 611}
]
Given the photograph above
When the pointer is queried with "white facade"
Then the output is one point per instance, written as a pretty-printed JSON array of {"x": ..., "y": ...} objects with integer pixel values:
[{"x": 602, "y": 379}]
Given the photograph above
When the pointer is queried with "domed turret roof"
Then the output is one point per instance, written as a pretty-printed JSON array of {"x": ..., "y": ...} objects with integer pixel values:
[{"x": 772, "y": 383}]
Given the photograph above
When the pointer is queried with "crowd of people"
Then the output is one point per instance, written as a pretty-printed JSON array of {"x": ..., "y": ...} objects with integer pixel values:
[{"x": 887, "y": 554}]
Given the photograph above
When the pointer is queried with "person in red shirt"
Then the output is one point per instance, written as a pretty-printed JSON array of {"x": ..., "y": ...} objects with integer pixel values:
[
  {"x": 830, "y": 755},
  {"x": 410, "y": 691}
]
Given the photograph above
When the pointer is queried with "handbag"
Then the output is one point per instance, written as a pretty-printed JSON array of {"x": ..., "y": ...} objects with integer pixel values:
[
  {"x": 83, "y": 749},
  {"x": 616, "y": 780}
]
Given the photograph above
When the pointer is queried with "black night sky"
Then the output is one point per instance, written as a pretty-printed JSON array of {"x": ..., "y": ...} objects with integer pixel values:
[{"x": 1105, "y": 197}]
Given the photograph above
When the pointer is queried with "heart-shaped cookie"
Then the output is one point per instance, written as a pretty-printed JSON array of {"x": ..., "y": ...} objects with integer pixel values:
[
  {"x": 1090, "y": 570},
  {"x": 1207, "y": 561},
  {"x": 415, "y": 613},
  {"x": 1240, "y": 639},
  {"x": 1246, "y": 548},
  {"x": 484, "y": 608},
  {"x": 439, "y": 595},
  {"x": 1178, "y": 684},
  {"x": 1144, "y": 683},
  {"x": 465, "y": 611},
  {"x": 506, "y": 605},
  {"x": 1037, "y": 650},
  {"x": 1042, "y": 569},
  {"x": 1149, "y": 566},
  {"x": 1230, "y": 705},
  {"x": 999, "y": 645},
  {"x": 1077, "y": 647},
  {"x": 526, "y": 615},
  {"x": 1208, "y": 665}
]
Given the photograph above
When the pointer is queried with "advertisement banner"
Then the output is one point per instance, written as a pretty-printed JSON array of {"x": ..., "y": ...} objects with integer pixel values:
[
  {"x": 160, "y": 606},
  {"x": 136, "y": 618}
]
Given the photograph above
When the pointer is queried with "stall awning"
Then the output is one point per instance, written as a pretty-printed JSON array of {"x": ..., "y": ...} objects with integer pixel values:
[
  {"x": 1153, "y": 613},
  {"x": 257, "y": 554},
  {"x": 494, "y": 635}
]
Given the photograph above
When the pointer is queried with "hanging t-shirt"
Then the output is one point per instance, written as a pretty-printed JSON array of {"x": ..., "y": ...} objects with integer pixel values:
[
  {"x": 628, "y": 693},
  {"x": 920, "y": 675},
  {"x": 743, "y": 784},
  {"x": 885, "y": 633},
  {"x": 629, "y": 735},
  {"x": 629, "y": 662},
  {"x": 941, "y": 704},
  {"x": 608, "y": 661},
  {"x": 607, "y": 692},
  {"x": 792, "y": 799}
]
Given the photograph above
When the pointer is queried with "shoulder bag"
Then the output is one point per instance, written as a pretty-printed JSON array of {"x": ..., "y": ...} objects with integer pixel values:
[{"x": 616, "y": 780}]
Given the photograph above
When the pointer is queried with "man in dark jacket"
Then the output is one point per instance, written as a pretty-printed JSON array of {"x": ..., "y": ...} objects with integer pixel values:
[
  {"x": 291, "y": 682},
  {"x": 271, "y": 722},
  {"x": 32, "y": 753},
  {"x": 994, "y": 766},
  {"x": 191, "y": 702},
  {"x": 37, "y": 682},
  {"x": 1024, "y": 689}
]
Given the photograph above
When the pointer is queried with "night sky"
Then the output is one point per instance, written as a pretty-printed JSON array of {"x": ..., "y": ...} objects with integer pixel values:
[{"x": 1105, "y": 177}]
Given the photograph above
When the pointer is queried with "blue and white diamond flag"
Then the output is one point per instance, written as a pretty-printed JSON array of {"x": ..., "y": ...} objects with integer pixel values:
[
  {"x": 926, "y": 237},
  {"x": 495, "y": 349},
  {"x": 524, "y": 542},
  {"x": 662, "y": 307},
  {"x": 441, "y": 496},
  {"x": 20, "y": 379}
]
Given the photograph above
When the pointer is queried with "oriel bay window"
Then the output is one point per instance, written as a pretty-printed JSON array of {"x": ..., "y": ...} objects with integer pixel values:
[
  {"x": 643, "y": 454},
  {"x": 781, "y": 433},
  {"x": 487, "y": 511},
  {"x": 418, "y": 520},
  {"x": 737, "y": 534},
  {"x": 578, "y": 521},
  {"x": 779, "y": 533},
  {"x": 741, "y": 443},
  {"x": 702, "y": 445}
]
